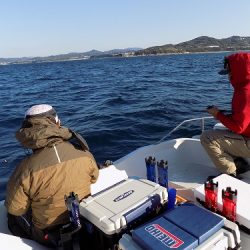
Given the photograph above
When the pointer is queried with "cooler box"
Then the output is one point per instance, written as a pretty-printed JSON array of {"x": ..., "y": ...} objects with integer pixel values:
[
  {"x": 218, "y": 241},
  {"x": 122, "y": 206},
  {"x": 243, "y": 190},
  {"x": 185, "y": 227}
]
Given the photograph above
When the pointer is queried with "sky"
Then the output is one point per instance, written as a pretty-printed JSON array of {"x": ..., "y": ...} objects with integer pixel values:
[{"x": 31, "y": 28}]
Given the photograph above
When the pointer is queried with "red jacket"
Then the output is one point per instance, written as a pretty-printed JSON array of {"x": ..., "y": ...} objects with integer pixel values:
[{"x": 239, "y": 120}]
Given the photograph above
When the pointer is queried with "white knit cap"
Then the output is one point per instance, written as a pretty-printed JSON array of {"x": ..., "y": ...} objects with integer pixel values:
[{"x": 41, "y": 110}]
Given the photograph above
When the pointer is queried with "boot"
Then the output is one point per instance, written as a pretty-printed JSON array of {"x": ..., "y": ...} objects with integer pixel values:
[{"x": 242, "y": 165}]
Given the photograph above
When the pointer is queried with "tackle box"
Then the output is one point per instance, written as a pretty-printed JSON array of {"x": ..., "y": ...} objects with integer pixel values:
[
  {"x": 242, "y": 203},
  {"x": 185, "y": 227},
  {"x": 123, "y": 206}
]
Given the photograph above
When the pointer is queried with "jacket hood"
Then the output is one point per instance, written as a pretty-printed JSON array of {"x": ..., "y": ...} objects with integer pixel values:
[
  {"x": 239, "y": 65},
  {"x": 41, "y": 132}
]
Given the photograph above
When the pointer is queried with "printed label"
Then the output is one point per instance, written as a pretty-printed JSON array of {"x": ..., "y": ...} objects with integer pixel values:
[
  {"x": 123, "y": 196},
  {"x": 164, "y": 236}
]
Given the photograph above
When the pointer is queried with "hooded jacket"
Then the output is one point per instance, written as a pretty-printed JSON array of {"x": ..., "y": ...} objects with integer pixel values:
[
  {"x": 55, "y": 169},
  {"x": 239, "y": 120}
]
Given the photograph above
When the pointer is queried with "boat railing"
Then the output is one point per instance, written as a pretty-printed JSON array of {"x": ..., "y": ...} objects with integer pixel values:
[{"x": 201, "y": 119}]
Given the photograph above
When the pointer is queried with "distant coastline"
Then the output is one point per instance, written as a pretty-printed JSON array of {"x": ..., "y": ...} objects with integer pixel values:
[{"x": 202, "y": 44}]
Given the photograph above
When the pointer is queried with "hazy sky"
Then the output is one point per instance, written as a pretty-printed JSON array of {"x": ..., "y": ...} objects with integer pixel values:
[{"x": 50, "y": 27}]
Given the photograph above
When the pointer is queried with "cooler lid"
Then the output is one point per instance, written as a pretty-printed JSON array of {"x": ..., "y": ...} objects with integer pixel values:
[
  {"x": 195, "y": 220},
  {"x": 162, "y": 234},
  {"x": 125, "y": 196}
]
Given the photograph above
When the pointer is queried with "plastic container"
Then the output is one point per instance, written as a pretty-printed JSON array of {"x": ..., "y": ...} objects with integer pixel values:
[
  {"x": 211, "y": 193},
  {"x": 229, "y": 199},
  {"x": 171, "y": 198},
  {"x": 162, "y": 167},
  {"x": 150, "y": 165}
]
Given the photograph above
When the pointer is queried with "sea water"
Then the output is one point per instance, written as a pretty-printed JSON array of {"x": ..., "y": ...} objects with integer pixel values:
[{"x": 117, "y": 104}]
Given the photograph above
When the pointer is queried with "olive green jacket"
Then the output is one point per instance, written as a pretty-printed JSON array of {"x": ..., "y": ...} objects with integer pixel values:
[{"x": 55, "y": 169}]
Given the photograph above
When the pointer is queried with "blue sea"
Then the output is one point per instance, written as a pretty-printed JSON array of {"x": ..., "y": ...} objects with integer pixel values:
[{"x": 117, "y": 104}]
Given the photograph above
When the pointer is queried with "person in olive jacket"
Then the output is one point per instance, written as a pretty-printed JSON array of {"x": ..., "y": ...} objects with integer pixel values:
[{"x": 36, "y": 189}]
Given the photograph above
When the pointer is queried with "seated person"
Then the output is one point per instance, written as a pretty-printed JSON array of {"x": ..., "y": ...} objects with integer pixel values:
[
  {"x": 56, "y": 167},
  {"x": 228, "y": 148}
]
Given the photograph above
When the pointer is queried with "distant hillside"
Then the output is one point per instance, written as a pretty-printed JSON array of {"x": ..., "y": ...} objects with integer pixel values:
[
  {"x": 70, "y": 56},
  {"x": 200, "y": 44}
]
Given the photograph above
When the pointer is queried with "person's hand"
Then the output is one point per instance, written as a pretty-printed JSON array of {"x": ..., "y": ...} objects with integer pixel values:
[{"x": 213, "y": 110}]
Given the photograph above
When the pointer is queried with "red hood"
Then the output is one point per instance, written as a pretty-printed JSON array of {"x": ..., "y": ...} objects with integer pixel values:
[{"x": 239, "y": 65}]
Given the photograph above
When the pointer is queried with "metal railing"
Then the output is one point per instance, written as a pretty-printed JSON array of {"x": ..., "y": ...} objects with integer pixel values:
[{"x": 202, "y": 119}]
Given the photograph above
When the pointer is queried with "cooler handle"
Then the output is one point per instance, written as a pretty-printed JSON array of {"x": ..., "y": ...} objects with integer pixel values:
[{"x": 143, "y": 209}]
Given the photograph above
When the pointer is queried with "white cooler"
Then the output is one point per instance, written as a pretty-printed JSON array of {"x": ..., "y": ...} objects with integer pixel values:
[
  {"x": 113, "y": 209},
  {"x": 216, "y": 242},
  {"x": 190, "y": 227}
]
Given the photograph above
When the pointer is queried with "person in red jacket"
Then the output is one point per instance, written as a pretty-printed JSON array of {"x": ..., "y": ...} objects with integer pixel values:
[{"x": 228, "y": 148}]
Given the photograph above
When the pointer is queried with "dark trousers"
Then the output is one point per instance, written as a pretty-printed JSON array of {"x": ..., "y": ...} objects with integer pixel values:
[{"x": 22, "y": 226}]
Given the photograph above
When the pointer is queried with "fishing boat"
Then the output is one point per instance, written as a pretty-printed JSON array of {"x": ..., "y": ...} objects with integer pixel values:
[{"x": 188, "y": 168}]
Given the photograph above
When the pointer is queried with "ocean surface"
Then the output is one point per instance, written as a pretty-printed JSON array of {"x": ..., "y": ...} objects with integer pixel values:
[{"x": 117, "y": 104}]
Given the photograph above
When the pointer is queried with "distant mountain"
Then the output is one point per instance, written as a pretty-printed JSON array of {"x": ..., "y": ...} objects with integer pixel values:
[
  {"x": 70, "y": 56},
  {"x": 200, "y": 44},
  {"x": 118, "y": 51},
  {"x": 92, "y": 53}
]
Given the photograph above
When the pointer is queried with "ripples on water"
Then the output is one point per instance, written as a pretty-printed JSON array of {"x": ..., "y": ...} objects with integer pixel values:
[{"x": 117, "y": 104}]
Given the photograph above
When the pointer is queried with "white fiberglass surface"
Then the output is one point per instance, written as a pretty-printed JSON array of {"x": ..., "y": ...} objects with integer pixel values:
[{"x": 188, "y": 163}]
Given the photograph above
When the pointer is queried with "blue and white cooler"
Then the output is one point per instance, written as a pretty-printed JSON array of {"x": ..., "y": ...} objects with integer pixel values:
[{"x": 185, "y": 227}]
